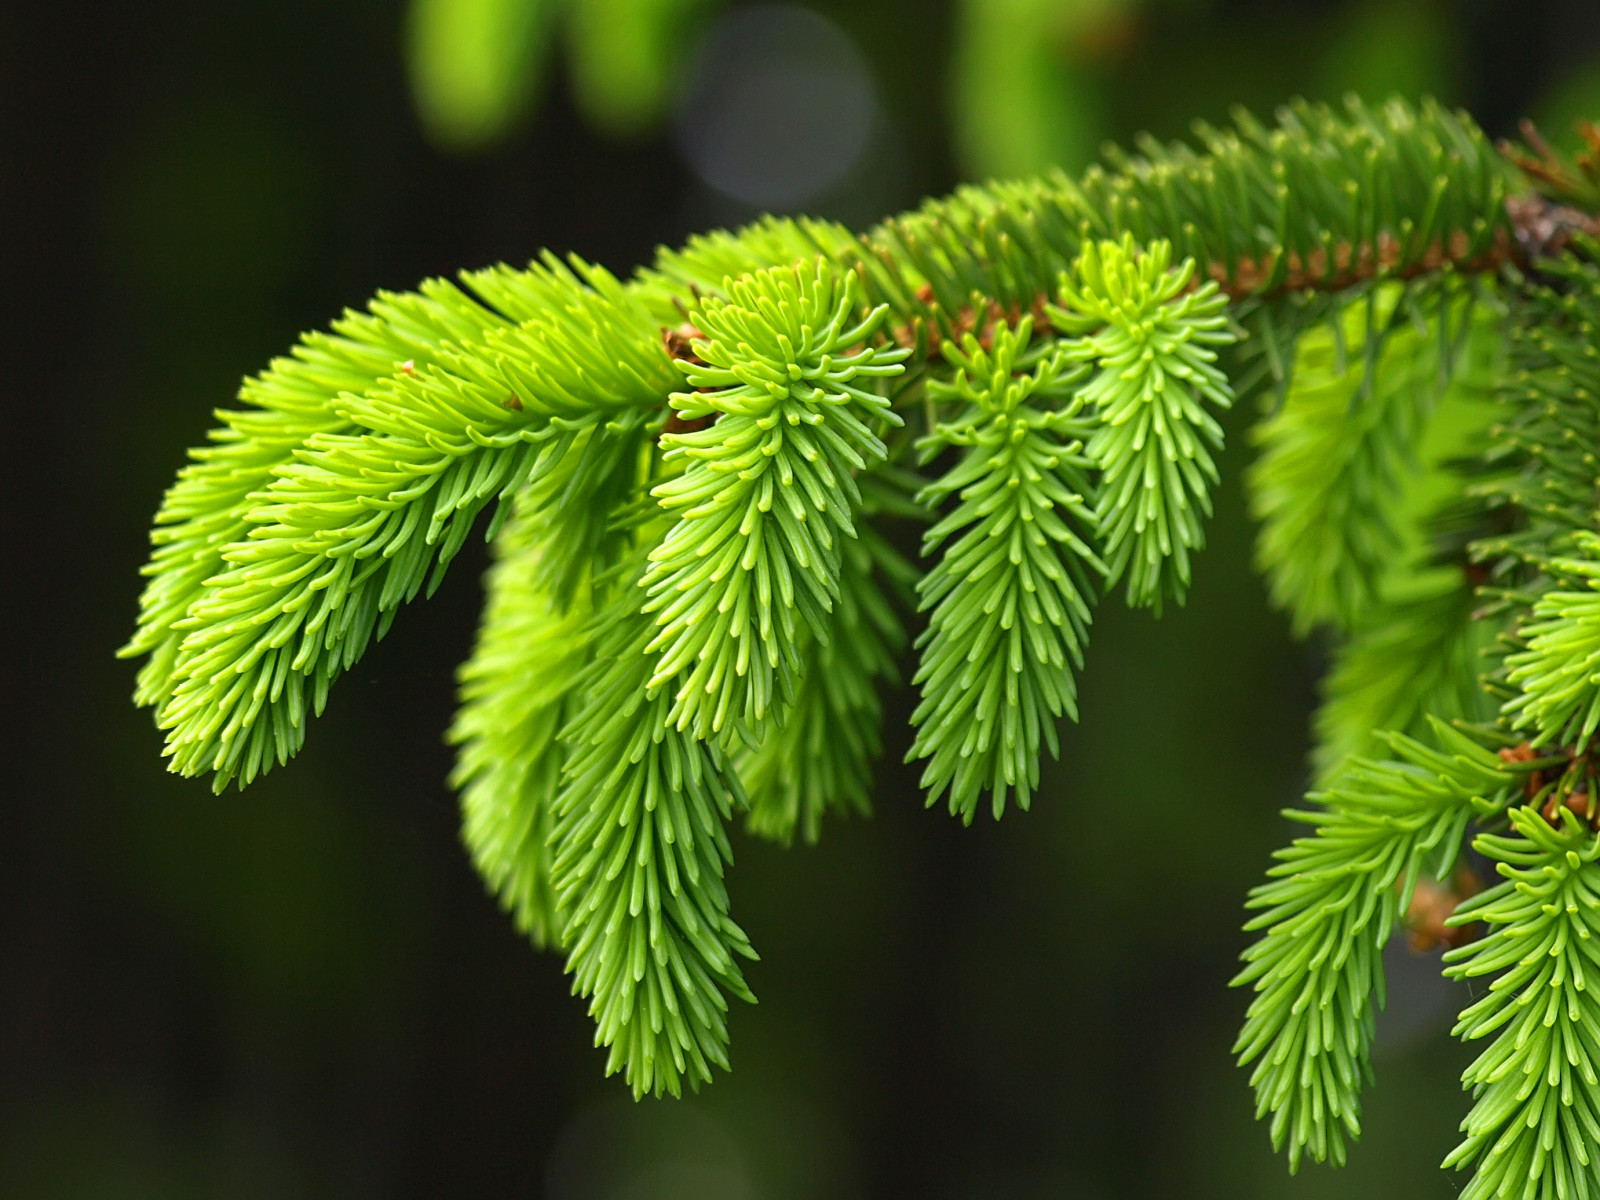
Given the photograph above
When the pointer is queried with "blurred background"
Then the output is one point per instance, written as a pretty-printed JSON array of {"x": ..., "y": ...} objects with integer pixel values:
[{"x": 302, "y": 991}]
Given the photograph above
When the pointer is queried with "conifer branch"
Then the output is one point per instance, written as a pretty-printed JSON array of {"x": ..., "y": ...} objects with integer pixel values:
[
  {"x": 208, "y": 508},
  {"x": 1329, "y": 905},
  {"x": 690, "y": 613},
  {"x": 1153, "y": 342},
  {"x": 352, "y": 524},
  {"x": 1339, "y": 452},
  {"x": 1544, "y": 461},
  {"x": 819, "y": 758},
  {"x": 1414, "y": 656},
  {"x": 1534, "y": 1127},
  {"x": 767, "y": 490},
  {"x": 1010, "y": 597},
  {"x": 1264, "y": 211},
  {"x": 1559, "y": 671},
  {"x": 639, "y": 847},
  {"x": 516, "y": 693}
]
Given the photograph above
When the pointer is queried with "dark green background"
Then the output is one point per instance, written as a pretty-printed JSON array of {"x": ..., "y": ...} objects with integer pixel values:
[{"x": 302, "y": 991}]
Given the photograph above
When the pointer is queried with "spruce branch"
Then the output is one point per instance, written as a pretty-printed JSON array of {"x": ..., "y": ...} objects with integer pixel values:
[
  {"x": 337, "y": 542},
  {"x": 355, "y": 523},
  {"x": 1574, "y": 179},
  {"x": 1010, "y": 597},
  {"x": 1153, "y": 343},
  {"x": 516, "y": 693},
  {"x": 208, "y": 508},
  {"x": 820, "y": 756},
  {"x": 692, "y": 603},
  {"x": 1329, "y": 905},
  {"x": 1266, "y": 212},
  {"x": 638, "y": 850},
  {"x": 1413, "y": 656},
  {"x": 1543, "y": 462},
  {"x": 1534, "y": 1127},
  {"x": 766, "y": 492},
  {"x": 1559, "y": 671},
  {"x": 1337, "y": 456}
]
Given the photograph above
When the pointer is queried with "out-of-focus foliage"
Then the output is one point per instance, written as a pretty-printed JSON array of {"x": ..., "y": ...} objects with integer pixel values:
[
  {"x": 1022, "y": 87},
  {"x": 1023, "y": 92},
  {"x": 628, "y": 55},
  {"x": 476, "y": 65}
]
